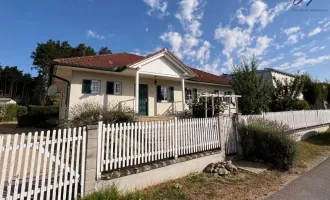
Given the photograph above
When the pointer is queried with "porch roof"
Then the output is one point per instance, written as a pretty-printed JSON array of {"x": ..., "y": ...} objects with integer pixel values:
[{"x": 119, "y": 61}]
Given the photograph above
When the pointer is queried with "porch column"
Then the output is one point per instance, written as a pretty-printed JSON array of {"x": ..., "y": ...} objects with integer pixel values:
[
  {"x": 183, "y": 94},
  {"x": 137, "y": 92}
]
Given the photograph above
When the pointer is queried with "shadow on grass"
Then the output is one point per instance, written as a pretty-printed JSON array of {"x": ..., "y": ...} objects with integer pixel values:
[{"x": 322, "y": 139}]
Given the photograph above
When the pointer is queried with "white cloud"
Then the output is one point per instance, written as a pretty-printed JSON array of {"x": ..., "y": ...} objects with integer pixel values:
[
  {"x": 316, "y": 49},
  {"x": 147, "y": 29},
  {"x": 95, "y": 35},
  {"x": 157, "y": 5},
  {"x": 267, "y": 63},
  {"x": 262, "y": 45},
  {"x": 259, "y": 13},
  {"x": 232, "y": 39},
  {"x": 292, "y": 30},
  {"x": 299, "y": 54},
  {"x": 203, "y": 53},
  {"x": 294, "y": 34},
  {"x": 189, "y": 44},
  {"x": 317, "y": 30},
  {"x": 324, "y": 20},
  {"x": 303, "y": 61},
  {"x": 213, "y": 67},
  {"x": 175, "y": 40}
]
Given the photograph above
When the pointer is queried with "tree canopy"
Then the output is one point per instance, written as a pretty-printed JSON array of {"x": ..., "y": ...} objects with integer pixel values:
[
  {"x": 104, "y": 50},
  {"x": 254, "y": 90}
]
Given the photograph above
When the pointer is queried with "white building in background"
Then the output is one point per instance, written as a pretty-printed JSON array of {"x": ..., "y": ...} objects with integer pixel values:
[{"x": 7, "y": 101}]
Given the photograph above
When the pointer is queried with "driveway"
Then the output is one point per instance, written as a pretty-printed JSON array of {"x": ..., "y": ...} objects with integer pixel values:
[{"x": 315, "y": 185}]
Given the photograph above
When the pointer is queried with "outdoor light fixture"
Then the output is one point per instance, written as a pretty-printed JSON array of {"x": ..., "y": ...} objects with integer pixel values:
[{"x": 155, "y": 81}]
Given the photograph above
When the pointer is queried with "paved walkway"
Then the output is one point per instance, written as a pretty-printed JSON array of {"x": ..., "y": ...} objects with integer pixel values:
[{"x": 315, "y": 185}]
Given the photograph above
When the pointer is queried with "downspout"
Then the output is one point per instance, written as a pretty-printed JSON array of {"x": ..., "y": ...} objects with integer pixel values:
[
  {"x": 67, "y": 88},
  {"x": 50, "y": 80}
]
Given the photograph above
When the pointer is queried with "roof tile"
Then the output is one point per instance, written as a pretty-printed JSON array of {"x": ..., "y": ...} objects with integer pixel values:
[{"x": 112, "y": 61}]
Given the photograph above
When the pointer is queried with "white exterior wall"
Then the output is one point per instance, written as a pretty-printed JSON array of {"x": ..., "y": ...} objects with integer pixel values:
[{"x": 127, "y": 96}]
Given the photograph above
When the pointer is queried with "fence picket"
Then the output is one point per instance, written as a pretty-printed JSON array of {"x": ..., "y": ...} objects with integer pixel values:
[
  {"x": 132, "y": 143},
  {"x": 11, "y": 165},
  {"x": 60, "y": 183},
  {"x": 19, "y": 163},
  {"x": 107, "y": 159},
  {"x": 5, "y": 163},
  {"x": 35, "y": 139},
  {"x": 124, "y": 145},
  {"x": 112, "y": 156},
  {"x": 142, "y": 141},
  {"x": 79, "y": 136},
  {"x": 58, "y": 146},
  {"x": 72, "y": 175},
  {"x": 127, "y": 143},
  {"x": 116, "y": 147},
  {"x": 44, "y": 172}
]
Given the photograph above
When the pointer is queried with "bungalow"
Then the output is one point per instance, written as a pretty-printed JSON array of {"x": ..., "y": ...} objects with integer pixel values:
[{"x": 158, "y": 84}]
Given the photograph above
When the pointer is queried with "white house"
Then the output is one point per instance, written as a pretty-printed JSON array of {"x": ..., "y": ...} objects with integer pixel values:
[
  {"x": 7, "y": 101},
  {"x": 158, "y": 84}
]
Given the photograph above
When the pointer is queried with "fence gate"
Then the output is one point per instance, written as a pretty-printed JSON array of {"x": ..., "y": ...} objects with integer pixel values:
[{"x": 45, "y": 165}]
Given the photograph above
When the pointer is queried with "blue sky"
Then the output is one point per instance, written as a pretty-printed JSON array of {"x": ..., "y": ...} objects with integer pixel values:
[{"x": 206, "y": 34}]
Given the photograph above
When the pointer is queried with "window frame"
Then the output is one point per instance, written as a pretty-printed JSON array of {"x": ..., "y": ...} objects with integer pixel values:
[
  {"x": 93, "y": 87},
  {"x": 165, "y": 97},
  {"x": 114, "y": 84},
  {"x": 114, "y": 88},
  {"x": 189, "y": 95}
]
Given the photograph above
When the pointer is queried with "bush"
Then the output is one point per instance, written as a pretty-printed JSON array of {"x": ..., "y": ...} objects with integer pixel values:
[
  {"x": 268, "y": 141},
  {"x": 89, "y": 113},
  {"x": 37, "y": 116},
  {"x": 8, "y": 112},
  {"x": 301, "y": 105},
  {"x": 199, "y": 107}
]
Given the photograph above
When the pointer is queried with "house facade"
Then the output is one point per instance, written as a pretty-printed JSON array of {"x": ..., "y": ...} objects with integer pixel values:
[{"x": 158, "y": 84}]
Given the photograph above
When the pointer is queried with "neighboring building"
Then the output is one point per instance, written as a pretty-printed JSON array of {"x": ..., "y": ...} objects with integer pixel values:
[
  {"x": 157, "y": 84},
  {"x": 7, "y": 101},
  {"x": 269, "y": 74}
]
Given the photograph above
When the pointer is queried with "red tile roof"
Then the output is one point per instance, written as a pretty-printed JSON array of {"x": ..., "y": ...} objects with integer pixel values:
[
  {"x": 105, "y": 61},
  {"x": 119, "y": 60}
]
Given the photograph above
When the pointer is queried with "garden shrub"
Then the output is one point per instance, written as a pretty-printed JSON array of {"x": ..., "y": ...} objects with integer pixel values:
[
  {"x": 8, "y": 112},
  {"x": 37, "y": 116},
  {"x": 301, "y": 105},
  {"x": 268, "y": 141},
  {"x": 90, "y": 113}
]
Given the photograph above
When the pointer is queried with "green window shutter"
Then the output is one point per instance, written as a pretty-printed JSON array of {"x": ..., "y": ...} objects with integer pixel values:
[
  {"x": 195, "y": 98},
  {"x": 185, "y": 94},
  {"x": 159, "y": 93},
  {"x": 110, "y": 88},
  {"x": 171, "y": 94},
  {"x": 86, "y": 86}
]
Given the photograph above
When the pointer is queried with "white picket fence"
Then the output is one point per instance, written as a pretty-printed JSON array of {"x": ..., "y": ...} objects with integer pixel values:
[
  {"x": 128, "y": 144},
  {"x": 299, "y": 119},
  {"x": 45, "y": 165}
]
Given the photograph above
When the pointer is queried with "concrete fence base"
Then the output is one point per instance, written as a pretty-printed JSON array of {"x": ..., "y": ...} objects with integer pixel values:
[{"x": 159, "y": 175}]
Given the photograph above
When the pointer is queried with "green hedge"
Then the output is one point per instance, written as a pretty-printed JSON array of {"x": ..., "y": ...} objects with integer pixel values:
[
  {"x": 37, "y": 116},
  {"x": 268, "y": 141},
  {"x": 8, "y": 112}
]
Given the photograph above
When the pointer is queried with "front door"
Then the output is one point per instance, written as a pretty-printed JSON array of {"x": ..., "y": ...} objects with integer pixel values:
[{"x": 143, "y": 100}]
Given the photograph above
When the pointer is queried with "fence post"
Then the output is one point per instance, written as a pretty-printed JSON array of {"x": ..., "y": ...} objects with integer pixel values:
[
  {"x": 305, "y": 119},
  {"x": 222, "y": 137},
  {"x": 176, "y": 137},
  {"x": 294, "y": 126},
  {"x": 91, "y": 171}
]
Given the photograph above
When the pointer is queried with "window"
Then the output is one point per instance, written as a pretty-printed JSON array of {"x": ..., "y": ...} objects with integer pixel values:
[
  {"x": 114, "y": 88},
  {"x": 165, "y": 94},
  {"x": 191, "y": 94},
  {"x": 91, "y": 86}
]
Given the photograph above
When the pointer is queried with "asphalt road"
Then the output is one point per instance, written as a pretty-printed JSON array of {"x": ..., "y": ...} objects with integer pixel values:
[{"x": 315, "y": 185}]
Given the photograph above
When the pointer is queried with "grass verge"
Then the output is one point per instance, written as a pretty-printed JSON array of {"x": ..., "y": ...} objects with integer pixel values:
[{"x": 242, "y": 186}]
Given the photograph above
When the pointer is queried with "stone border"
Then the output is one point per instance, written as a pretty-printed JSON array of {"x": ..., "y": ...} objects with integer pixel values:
[{"x": 151, "y": 166}]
